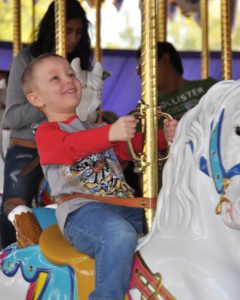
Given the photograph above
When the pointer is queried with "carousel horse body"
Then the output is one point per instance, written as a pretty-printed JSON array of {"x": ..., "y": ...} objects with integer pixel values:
[
  {"x": 36, "y": 270},
  {"x": 191, "y": 253}
]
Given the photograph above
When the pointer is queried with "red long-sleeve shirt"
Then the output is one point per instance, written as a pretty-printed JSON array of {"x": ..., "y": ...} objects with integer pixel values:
[{"x": 57, "y": 146}]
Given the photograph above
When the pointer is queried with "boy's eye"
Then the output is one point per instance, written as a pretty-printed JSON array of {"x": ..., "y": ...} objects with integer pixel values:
[
  {"x": 72, "y": 75},
  {"x": 55, "y": 78}
]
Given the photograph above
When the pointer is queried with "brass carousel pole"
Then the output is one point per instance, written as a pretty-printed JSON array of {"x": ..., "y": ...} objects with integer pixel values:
[
  {"x": 205, "y": 48},
  {"x": 149, "y": 99},
  {"x": 33, "y": 20},
  {"x": 97, "y": 51},
  {"x": 162, "y": 20},
  {"x": 226, "y": 40},
  {"x": 60, "y": 27},
  {"x": 17, "y": 45}
]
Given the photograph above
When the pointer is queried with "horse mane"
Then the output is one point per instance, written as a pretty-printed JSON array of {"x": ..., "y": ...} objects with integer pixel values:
[{"x": 177, "y": 204}]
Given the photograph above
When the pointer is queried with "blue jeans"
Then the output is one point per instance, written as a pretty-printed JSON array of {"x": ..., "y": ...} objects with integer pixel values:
[
  {"x": 17, "y": 186},
  {"x": 107, "y": 233}
]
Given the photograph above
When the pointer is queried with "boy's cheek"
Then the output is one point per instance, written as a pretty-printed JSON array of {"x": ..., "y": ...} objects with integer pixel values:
[{"x": 80, "y": 86}]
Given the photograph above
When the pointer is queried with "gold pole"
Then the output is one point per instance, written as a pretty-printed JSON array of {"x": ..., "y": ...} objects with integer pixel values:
[
  {"x": 17, "y": 45},
  {"x": 162, "y": 20},
  {"x": 205, "y": 50},
  {"x": 97, "y": 51},
  {"x": 60, "y": 27},
  {"x": 149, "y": 98},
  {"x": 226, "y": 40},
  {"x": 33, "y": 20}
]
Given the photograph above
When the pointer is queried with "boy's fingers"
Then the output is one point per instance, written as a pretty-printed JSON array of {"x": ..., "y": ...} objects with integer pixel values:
[
  {"x": 129, "y": 119},
  {"x": 167, "y": 122},
  {"x": 173, "y": 122},
  {"x": 132, "y": 130}
]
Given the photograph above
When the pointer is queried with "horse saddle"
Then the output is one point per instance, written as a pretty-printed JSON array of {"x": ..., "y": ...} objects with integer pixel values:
[{"x": 58, "y": 251}]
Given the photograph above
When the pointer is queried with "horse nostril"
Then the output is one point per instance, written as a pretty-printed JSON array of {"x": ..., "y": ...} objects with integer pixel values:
[{"x": 237, "y": 129}]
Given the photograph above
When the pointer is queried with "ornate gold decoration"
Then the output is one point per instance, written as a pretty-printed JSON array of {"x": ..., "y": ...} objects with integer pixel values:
[
  {"x": 97, "y": 51},
  {"x": 162, "y": 36},
  {"x": 60, "y": 27},
  {"x": 149, "y": 100},
  {"x": 223, "y": 198},
  {"x": 162, "y": 20},
  {"x": 17, "y": 45},
  {"x": 226, "y": 40},
  {"x": 205, "y": 50}
]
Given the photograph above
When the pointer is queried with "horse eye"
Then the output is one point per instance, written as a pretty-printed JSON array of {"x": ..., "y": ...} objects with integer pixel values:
[{"x": 237, "y": 129}]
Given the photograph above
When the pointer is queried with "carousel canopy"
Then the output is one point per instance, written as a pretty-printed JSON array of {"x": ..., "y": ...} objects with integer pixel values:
[{"x": 121, "y": 22}]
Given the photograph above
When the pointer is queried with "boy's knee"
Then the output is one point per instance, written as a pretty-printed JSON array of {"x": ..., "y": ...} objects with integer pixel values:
[{"x": 125, "y": 236}]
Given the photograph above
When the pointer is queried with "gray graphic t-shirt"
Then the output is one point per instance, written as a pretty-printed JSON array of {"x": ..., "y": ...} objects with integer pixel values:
[{"x": 98, "y": 174}]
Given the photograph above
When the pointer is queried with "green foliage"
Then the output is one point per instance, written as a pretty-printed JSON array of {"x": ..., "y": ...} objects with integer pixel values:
[
  {"x": 185, "y": 33},
  {"x": 128, "y": 36},
  {"x": 28, "y": 26}
]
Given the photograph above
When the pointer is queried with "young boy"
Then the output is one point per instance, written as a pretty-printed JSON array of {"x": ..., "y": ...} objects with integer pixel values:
[{"x": 78, "y": 157}]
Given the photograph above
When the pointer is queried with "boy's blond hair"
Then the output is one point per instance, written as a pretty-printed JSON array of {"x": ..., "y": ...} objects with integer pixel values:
[{"x": 27, "y": 80}]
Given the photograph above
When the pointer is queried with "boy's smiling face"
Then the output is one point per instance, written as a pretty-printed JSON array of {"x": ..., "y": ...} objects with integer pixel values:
[{"x": 56, "y": 90}]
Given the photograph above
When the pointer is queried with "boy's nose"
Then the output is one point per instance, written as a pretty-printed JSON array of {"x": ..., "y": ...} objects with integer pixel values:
[{"x": 68, "y": 79}]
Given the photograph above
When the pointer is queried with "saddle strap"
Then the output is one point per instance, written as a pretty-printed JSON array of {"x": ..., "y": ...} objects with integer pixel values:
[
  {"x": 139, "y": 202},
  {"x": 149, "y": 285},
  {"x": 30, "y": 166}
]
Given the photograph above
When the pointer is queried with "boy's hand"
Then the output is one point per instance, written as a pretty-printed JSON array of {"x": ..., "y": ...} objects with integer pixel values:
[
  {"x": 169, "y": 129},
  {"x": 123, "y": 129}
]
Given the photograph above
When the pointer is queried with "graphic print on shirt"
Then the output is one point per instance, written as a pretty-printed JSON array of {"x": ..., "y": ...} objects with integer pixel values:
[
  {"x": 177, "y": 105},
  {"x": 99, "y": 174}
]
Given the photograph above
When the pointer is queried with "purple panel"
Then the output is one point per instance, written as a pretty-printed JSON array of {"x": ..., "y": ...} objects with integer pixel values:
[
  {"x": 5, "y": 56},
  {"x": 122, "y": 90}
]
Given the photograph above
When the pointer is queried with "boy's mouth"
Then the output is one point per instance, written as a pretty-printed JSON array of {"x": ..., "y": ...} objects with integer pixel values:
[{"x": 69, "y": 91}]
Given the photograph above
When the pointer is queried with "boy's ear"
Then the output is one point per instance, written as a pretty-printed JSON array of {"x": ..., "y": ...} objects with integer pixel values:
[{"x": 34, "y": 100}]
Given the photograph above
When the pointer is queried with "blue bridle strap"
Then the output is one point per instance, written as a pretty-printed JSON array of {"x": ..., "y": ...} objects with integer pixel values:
[{"x": 218, "y": 171}]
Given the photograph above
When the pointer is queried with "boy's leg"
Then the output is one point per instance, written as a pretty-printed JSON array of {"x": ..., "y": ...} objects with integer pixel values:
[
  {"x": 135, "y": 216},
  {"x": 17, "y": 189},
  {"x": 103, "y": 234}
]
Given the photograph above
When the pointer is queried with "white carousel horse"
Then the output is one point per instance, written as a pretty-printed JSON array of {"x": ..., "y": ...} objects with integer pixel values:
[
  {"x": 191, "y": 253},
  {"x": 195, "y": 250}
]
